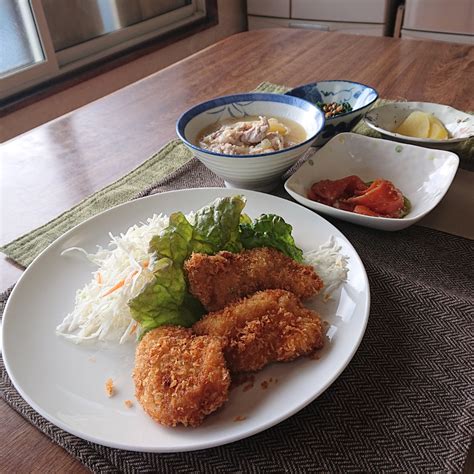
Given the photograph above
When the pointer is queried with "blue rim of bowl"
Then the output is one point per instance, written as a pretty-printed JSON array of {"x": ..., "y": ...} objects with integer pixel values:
[
  {"x": 227, "y": 99},
  {"x": 337, "y": 80}
]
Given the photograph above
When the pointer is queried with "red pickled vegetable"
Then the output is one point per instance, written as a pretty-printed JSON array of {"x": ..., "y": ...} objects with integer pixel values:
[
  {"x": 365, "y": 211},
  {"x": 382, "y": 197},
  {"x": 328, "y": 191}
]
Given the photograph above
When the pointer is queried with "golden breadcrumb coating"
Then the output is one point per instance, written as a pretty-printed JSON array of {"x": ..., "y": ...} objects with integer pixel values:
[
  {"x": 268, "y": 326},
  {"x": 180, "y": 377},
  {"x": 109, "y": 388},
  {"x": 221, "y": 279}
]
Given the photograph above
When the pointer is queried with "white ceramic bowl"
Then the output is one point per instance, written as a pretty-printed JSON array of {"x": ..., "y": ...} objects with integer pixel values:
[
  {"x": 258, "y": 172},
  {"x": 359, "y": 96},
  {"x": 387, "y": 118},
  {"x": 423, "y": 175}
]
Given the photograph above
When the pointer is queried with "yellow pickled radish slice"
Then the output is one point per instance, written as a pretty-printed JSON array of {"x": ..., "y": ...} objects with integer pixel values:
[
  {"x": 276, "y": 126},
  {"x": 417, "y": 125},
  {"x": 438, "y": 132},
  {"x": 437, "y": 129}
]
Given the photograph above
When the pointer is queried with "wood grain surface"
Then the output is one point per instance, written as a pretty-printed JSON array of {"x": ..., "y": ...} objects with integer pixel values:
[{"x": 46, "y": 171}]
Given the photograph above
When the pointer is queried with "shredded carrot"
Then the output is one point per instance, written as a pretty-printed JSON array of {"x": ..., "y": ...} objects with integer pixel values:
[
  {"x": 114, "y": 288},
  {"x": 98, "y": 277},
  {"x": 120, "y": 283},
  {"x": 134, "y": 328},
  {"x": 145, "y": 263}
]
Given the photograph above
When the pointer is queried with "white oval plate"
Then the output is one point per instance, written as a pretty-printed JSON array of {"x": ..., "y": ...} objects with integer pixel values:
[
  {"x": 65, "y": 382},
  {"x": 386, "y": 118}
]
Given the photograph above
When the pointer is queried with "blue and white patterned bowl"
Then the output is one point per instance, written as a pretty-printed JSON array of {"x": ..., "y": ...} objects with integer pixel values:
[
  {"x": 258, "y": 172},
  {"x": 359, "y": 96}
]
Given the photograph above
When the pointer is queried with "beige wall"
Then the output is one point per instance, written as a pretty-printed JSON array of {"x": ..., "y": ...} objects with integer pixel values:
[{"x": 231, "y": 20}]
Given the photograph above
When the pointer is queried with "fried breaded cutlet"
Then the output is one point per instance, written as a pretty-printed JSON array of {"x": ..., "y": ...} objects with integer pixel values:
[
  {"x": 180, "y": 377},
  {"x": 217, "y": 280},
  {"x": 268, "y": 326}
]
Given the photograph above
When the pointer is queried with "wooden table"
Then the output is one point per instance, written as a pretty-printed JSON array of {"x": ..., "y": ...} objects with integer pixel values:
[{"x": 46, "y": 171}]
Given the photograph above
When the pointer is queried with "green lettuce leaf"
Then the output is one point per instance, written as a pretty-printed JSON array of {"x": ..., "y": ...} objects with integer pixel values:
[
  {"x": 174, "y": 241},
  {"x": 216, "y": 226},
  {"x": 166, "y": 299},
  {"x": 270, "y": 230}
]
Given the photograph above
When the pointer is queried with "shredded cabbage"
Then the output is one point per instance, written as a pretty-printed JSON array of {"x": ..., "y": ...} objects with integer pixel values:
[
  {"x": 104, "y": 316},
  {"x": 101, "y": 311},
  {"x": 329, "y": 264}
]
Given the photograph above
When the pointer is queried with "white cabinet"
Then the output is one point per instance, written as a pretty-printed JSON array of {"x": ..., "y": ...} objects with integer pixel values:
[
  {"x": 441, "y": 20},
  {"x": 364, "y": 17},
  {"x": 360, "y": 11},
  {"x": 440, "y": 16},
  {"x": 259, "y": 22},
  {"x": 273, "y": 8},
  {"x": 429, "y": 35},
  {"x": 352, "y": 28}
]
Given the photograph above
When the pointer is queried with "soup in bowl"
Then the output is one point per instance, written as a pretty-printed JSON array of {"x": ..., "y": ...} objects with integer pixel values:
[{"x": 250, "y": 140}]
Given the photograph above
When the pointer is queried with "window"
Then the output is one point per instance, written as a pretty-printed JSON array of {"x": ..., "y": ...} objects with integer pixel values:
[
  {"x": 21, "y": 47},
  {"x": 44, "y": 39}
]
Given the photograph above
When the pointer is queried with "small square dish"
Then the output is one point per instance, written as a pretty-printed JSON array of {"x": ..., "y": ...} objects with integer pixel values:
[{"x": 423, "y": 175}]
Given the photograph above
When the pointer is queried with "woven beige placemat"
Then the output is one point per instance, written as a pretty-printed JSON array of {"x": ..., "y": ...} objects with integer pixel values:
[{"x": 167, "y": 160}]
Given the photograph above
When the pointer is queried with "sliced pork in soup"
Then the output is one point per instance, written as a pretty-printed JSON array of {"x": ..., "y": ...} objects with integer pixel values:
[{"x": 251, "y": 136}]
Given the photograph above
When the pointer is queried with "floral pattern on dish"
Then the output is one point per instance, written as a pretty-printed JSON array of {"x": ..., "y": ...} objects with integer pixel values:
[
  {"x": 234, "y": 110},
  {"x": 359, "y": 96}
]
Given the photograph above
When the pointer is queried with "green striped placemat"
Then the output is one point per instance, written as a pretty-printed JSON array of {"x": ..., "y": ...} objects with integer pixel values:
[
  {"x": 167, "y": 160},
  {"x": 173, "y": 155}
]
